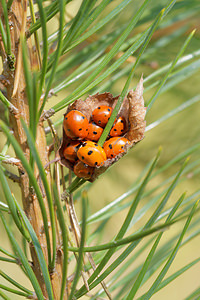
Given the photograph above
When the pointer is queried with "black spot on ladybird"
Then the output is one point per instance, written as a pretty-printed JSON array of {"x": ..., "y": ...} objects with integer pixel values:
[
  {"x": 87, "y": 129},
  {"x": 98, "y": 107},
  {"x": 95, "y": 163},
  {"x": 94, "y": 132},
  {"x": 68, "y": 129},
  {"x": 108, "y": 109},
  {"x": 111, "y": 155},
  {"x": 83, "y": 117},
  {"x": 65, "y": 118},
  {"x": 115, "y": 129},
  {"x": 83, "y": 157},
  {"x": 110, "y": 146},
  {"x": 121, "y": 130},
  {"x": 89, "y": 173},
  {"x": 121, "y": 121},
  {"x": 90, "y": 152},
  {"x": 84, "y": 144},
  {"x": 96, "y": 145},
  {"x": 122, "y": 147},
  {"x": 80, "y": 129}
]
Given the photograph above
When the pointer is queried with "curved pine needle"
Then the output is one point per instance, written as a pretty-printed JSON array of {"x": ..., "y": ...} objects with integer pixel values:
[
  {"x": 178, "y": 273},
  {"x": 11, "y": 204},
  {"x": 24, "y": 260},
  {"x": 43, "y": 62},
  {"x": 3, "y": 35},
  {"x": 39, "y": 252},
  {"x": 8, "y": 42},
  {"x": 127, "y": 240},
  {"x": 37, "y": 44},
  {"x": 8, "y": 104},
  {"x": 162, "y": 82},
  {"x": 4, "y": 296},
  {"x": 13, "y": 291},
  {"x": 7, "y": 253},
  {"x": 15, "y": 283}
]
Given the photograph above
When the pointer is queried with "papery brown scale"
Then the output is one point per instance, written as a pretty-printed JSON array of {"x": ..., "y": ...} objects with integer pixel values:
[{"x": 137, "y": 113}]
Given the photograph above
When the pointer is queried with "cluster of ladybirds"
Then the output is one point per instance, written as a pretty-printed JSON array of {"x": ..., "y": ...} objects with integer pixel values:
[{"x": 83, "y": 150}]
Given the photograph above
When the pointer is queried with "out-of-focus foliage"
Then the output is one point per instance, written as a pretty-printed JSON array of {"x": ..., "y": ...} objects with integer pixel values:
[{"x": 140, "y": 222}]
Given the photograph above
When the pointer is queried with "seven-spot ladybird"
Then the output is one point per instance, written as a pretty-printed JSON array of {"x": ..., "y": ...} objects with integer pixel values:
[
  {"x": 114, "y": 146},
  {"x": 75, "y": 125},
  {"x": 91, "y": 154},
  {"x": 118, "y": 127},
  {"x": 94, "y": 132},
  {"x": 101, "y": 115},
  {"x": 70, "y": 151},
  {"x": 83, "y": 170}
]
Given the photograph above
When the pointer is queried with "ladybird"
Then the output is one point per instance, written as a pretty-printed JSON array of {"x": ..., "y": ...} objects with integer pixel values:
[
  {"x": 118, "y": 127},
  {"x": 83, "y": 170},
  {"x": 70, "y": 150},
  {"x": 91, "y": 154},
  {"x": 101, "y": 115},
  {"x": 114, "y": 146},
  {"x": 75, "y": 125},
  {"x": 94, "y": 132}
]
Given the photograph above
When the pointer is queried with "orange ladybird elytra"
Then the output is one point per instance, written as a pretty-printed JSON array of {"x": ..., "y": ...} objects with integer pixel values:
[
  {"x": 101, "y": 115},
  {"x": 118, "y": 127},
  {"x": 70, "y": 151},
  {"x": 82, "y": 170},
  {"x": 91, "y": 154},
  {"x": 115, "y": 146},
  {"x": 75, "y": 125},
  {"x": 94, "y": 132}
]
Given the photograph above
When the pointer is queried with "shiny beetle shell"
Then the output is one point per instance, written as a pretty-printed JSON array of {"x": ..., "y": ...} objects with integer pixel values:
[
  {"x": 101, "y": 115},
  {"x": 75, "y": 125},
  {"x": 94, "y": 132},
  {"x": 115, "y": 146},
  {"x": 82, "y": 170},
  {"x": 91, "y": 154},
  {"x": 70, "y": 151},
  {"x": 118, "y": 127}
]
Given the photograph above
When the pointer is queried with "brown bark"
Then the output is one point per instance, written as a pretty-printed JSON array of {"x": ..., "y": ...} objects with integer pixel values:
[{"x": 19, "y": 100}]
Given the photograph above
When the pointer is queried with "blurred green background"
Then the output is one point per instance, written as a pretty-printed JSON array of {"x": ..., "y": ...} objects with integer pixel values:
[{"x": 174, "y": 135}]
